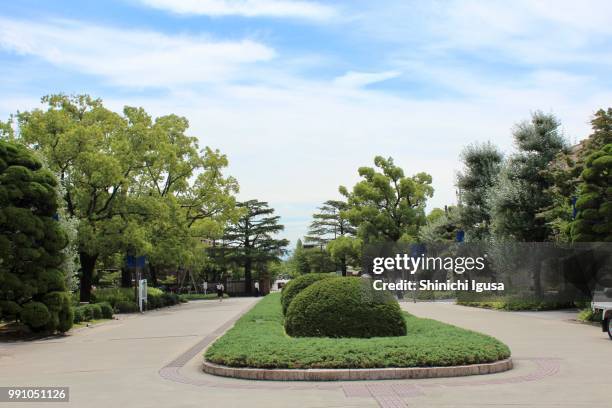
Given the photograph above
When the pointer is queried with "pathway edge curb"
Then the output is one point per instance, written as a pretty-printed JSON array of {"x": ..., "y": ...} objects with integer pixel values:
[{"x": 356, "y": 374}]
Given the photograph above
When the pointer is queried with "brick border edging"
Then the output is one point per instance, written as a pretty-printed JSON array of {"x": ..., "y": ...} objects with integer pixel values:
[{"x": 402, "y": 373}]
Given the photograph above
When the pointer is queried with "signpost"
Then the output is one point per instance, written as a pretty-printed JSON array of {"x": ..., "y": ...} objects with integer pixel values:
[{"x": 142, "y": 294}]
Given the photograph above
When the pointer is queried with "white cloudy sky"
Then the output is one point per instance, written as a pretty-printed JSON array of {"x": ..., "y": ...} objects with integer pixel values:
[{"x": 299, "y": 94}]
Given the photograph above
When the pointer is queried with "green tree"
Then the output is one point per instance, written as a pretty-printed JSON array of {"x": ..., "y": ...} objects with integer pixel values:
[
  {"x": 593, "y": 222},
  {"x": 441, "y": 227},
  {"x": 32, "y": 285},
  {"x": 252, "y": 237},
  {"x": 386, "y": 205},
  {"x": 98, "y": 155},
  {"x": 521, "y": 190},
  {"x": 346, "y": 250},
  {"x": 481, "y": 166},
  {"x": 327, "y": 225}
]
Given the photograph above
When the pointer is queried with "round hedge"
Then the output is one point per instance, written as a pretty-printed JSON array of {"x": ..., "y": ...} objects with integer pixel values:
[
  {"x": 35, "y": 314},
  {"x": 295, "y": 286},
  {"x": 344, "y": 307}
]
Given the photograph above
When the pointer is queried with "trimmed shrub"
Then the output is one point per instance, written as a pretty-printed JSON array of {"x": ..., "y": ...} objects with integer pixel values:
[
  {"x": 295, "y": 286},
  {"x": 35, "y": 314},
  {"x": 344, "y": 307},
  {"x": 31, "y": 243},
  {"x": 112, "y": 295},
  {"x": 78, "y": 315},
  {"x": 126, "y": 307},
  {"x": 107, "y": 310},
  {"x": 10, "y": 309},
  {"x": 96, "y": 310}
]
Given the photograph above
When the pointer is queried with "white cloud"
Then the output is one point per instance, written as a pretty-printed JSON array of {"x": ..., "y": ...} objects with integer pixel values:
[
  {"x": 246, "y": 8},
  {"x": 354, "y": 79},
  {"x": 131, "y": 57}
]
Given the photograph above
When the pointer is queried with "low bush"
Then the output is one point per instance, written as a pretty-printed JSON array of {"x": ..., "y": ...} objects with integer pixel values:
[
  {"x": 344, "y": 307},
  {"x": 258, "y": 340},
  {"x": 107, "y": 310},
  {"x": 35, "y": 314},
  {"x": 112, "y": 295},
  {"x": 156, "y": 298},
  {"x": 126, "y": 307},
  {"x": 588, "y": 315},
  {"x": 296, "y": 285},
  {"x": 199, "y": 296},
  {"x": 516, "y": 302}
]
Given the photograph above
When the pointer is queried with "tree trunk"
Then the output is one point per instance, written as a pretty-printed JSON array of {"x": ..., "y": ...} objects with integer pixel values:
[
  {"x": 153, "y": 274},
  {"x": 126, "y": 277},
  {"x": 247, "y": 276},
  {"x": 343, "y": 267},
  {"x": 88, "y": 264}
]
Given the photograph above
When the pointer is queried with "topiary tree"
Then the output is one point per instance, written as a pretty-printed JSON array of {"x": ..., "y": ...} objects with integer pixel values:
[
  {"x": 344, "y": 307},
  {"x": 594, "y": 219},
  {"x": 32, "y": 287},
  {"x": 295, "y": 286}
]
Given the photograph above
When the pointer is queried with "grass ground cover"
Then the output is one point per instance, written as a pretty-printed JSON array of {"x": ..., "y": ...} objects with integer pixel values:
[
  {"x": 516, "y": 303},
  {"x": 258, "y": 339}
]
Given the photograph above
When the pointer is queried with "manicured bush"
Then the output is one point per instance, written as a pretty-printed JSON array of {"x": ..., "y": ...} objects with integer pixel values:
[
  {"x": 112, "y": 295},
  {"x": 10, "y": 309},
  {"x": 296, "y": 285},
  {"x": 169, "y": 299},
  {"x": 31, "y": 243},
  {"x": 35, "y": 314},
  {"x": 258, "y": 339},
  {"x": 106, "y": 309},
  {"x": 79, "y": 316},
  {"x": 126, "y": 307},
  {"x": 344, "y": 307}
]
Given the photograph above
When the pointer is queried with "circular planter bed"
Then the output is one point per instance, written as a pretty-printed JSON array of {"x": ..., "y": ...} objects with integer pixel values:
[{"x": 257, "y": 347}]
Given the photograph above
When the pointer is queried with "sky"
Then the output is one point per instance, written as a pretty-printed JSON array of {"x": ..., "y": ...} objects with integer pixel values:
[{"x": 300, "y": 94}]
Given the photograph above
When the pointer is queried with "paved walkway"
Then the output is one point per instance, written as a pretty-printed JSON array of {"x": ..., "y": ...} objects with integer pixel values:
[{"x": 135, "y": 362}]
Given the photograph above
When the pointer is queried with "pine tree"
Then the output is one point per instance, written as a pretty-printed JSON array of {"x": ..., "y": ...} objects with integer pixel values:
[
  {"x": 32, "y": 287},
  {"x": 252, "y": 239}
]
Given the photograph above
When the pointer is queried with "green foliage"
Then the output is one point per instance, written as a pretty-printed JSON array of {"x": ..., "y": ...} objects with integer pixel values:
[
  {"x": 521, "y": 192},
  {"x": 344, "y": 307},
  {"x": 133, "y": 184},
  {"x": 386, "y": 205},
  {"x": 441, "y": 228},
  {"x": 515, "y": 303},
  {"x": 32, "y": 287},
  {"x": 296, "y": 285},
  {"x": 251, "y": 239},
  {"x": 156, "y": 297},
  {"x": 481, "y": 166},
  {"x": 258, "y": 339},
  {"x": 594, "y": 219},
  {"x": 113, "y": 295},
  {"x": 588, "y": 315},
  {"x": 123, "y": 306},
  {"x": 35, "y": 315},
  {"x": 346, "y": 250}
]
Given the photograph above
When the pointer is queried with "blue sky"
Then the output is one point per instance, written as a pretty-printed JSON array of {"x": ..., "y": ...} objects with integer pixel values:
[{"x": 299, "y": 94}]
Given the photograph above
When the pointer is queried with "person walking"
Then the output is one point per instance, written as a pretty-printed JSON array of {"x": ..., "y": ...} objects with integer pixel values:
[
  {"x": 256, "y": 288},
  {"x": 220, "y": 290}
]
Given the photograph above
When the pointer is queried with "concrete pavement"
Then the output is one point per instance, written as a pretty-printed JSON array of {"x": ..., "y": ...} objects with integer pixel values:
[{"x": 155, "y": 361}]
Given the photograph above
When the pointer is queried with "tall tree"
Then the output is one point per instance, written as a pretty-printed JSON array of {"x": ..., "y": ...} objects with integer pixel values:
[
  {"x": 594, "y": 218},
  {"x": 252, "y": 237},
  {"x": 481, "y": 166},
  {"x": 386, "y": 205},
  {"x": 328, "y": 223},
  {"x": 521, "y": 190},
  {"x": 32, "y": 285},
  {"x": 98, "y": 156}
]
